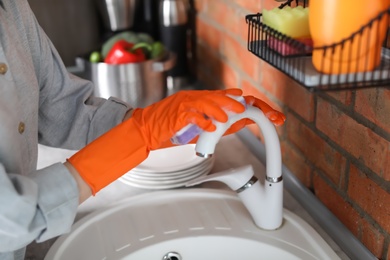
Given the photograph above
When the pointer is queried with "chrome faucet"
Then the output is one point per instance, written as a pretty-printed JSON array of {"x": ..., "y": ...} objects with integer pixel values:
[{"x": 263, "y": 201}]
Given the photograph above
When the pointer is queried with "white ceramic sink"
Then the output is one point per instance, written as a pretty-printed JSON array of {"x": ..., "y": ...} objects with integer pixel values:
[{"x": 187, "y": 224}]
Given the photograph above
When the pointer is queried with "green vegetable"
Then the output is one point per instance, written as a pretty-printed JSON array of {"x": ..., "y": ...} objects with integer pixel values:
[
  {"x": 144, "y": 37},
  {"x": 127, "y": 35},
  {"x": 95, "y": 57},
  {"x": 158, "y": 50}
]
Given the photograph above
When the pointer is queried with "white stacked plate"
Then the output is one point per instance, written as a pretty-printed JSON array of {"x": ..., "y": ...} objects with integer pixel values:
[{"x": 168, "y": 168}]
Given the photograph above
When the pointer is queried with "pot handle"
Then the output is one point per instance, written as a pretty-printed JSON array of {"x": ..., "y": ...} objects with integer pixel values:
[{"x": 166, "y": 64}]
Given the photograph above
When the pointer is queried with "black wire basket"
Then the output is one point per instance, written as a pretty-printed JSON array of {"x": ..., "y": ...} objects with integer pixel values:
[{"x": 295, "y": 57}]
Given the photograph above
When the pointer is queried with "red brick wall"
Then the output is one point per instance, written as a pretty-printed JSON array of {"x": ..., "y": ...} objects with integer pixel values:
[{"x": 337, "y": 143}]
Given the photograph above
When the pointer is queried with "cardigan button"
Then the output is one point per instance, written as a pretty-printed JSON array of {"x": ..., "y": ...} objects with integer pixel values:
[
  {"x": 21, "y": 127},
  {"x": 3, "y": 68}
]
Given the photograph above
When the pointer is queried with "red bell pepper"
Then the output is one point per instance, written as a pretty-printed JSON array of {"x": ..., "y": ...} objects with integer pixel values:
[{"x": 123, "y": 52}]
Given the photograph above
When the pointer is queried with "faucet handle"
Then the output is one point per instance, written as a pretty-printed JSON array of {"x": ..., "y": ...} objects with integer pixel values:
[
  {"x": 263, "y": 202},
  {"x": 235, "y": 178}
]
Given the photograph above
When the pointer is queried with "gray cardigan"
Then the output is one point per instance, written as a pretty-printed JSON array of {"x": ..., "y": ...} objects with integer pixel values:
[{"x": 40, "y": 102}]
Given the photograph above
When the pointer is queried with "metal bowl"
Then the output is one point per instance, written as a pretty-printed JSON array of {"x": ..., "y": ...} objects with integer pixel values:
[{"x": 139, "y": 84}]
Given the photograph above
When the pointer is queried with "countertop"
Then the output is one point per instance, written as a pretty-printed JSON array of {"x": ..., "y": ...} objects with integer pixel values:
[{"x": 230, "y": 153}]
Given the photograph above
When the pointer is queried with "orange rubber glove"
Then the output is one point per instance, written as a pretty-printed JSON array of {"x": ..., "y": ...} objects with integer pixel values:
[
  {"x": 129, "y": 143},
  {"x": 276, "y": 117}
]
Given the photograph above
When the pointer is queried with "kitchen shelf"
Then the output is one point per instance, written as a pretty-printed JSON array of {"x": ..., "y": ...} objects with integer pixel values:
[{"x": 270, "y": 45}]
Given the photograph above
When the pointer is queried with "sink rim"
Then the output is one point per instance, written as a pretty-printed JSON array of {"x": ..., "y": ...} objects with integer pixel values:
[{"x": 245, "y": 228}]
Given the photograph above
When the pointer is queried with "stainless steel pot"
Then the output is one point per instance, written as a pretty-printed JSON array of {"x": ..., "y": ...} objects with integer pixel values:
[
  {"x": 139, "y": 84},
  {"x": 117, "y": 14}
]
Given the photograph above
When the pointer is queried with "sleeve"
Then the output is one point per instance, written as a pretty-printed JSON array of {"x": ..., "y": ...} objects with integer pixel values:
[
  {"x": 36, "y": 207},
  {"x": 43, "y": 204},
  {"x": 69, "y": 116}
]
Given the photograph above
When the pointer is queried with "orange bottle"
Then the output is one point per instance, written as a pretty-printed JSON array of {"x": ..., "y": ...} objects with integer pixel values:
[{"x": 335, "y": 21}]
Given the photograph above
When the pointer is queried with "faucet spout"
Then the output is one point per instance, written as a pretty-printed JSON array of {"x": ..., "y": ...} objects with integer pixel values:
[
  {"x": 263, "y": 202},
  {"x": 207, "y": 141}
]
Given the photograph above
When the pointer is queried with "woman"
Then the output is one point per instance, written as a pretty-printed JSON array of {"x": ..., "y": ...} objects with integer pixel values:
[{"x": 41, "y": 102}]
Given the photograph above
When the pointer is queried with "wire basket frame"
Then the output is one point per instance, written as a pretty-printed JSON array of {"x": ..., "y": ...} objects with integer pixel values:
[{"x": 295, "y": 58}]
